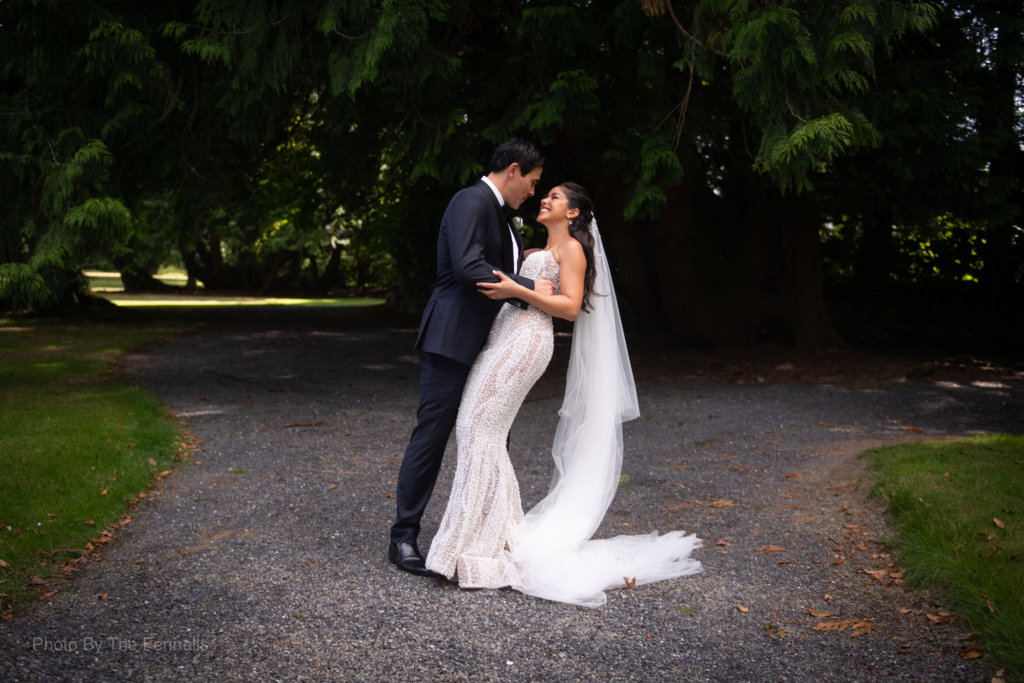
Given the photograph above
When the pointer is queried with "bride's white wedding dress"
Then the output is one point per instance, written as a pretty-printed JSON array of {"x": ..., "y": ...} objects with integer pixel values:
[{"x": 484, "y": 538}]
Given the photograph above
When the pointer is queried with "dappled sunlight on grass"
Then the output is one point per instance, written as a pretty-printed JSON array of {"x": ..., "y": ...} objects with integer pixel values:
[{"x": 144, "y": 300}]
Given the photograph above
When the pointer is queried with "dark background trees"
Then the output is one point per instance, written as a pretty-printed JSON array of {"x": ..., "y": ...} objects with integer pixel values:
[{"x": 764, "y": 171}]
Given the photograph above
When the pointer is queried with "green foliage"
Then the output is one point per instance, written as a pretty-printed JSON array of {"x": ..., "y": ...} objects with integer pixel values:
[
  {"x": 309, "y": 144},
  {"x": 78, "y": 83},
  {"x": 944, "y": 497}
]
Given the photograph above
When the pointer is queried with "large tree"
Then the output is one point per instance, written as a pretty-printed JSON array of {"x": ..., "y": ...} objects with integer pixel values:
[{"x": 718, "y": 136}]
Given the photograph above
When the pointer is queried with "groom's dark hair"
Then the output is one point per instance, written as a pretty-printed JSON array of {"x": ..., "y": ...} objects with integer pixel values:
[{"x": 515, "y": 151}]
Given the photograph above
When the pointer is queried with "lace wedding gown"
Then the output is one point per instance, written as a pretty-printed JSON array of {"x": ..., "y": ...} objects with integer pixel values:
[
  {"x": 485, "y": 509},
  {"x": 484, "y": 538}
]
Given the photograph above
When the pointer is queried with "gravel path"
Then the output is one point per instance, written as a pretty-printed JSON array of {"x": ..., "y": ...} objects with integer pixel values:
[{"x": 266, "y": 560}]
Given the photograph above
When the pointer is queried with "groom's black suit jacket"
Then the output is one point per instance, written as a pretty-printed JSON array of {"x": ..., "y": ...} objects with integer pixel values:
[{"x": 474, "y": 240}]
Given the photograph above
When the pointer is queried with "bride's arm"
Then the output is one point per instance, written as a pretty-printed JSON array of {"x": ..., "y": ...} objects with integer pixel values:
[{"x": 572, "y": 266}]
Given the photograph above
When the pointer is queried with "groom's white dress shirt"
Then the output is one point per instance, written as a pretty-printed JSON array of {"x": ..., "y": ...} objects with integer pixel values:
[{"x": 501, "y": 202}]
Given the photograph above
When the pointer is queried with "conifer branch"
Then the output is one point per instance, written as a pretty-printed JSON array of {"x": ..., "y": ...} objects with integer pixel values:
[
  {"x": 672, "y": 13},
  {"x": 334, "y": 30},
  {"x": 686, "y": 100}
]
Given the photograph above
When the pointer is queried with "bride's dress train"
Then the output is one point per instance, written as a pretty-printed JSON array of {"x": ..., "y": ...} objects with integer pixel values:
[{"x": 484, "y": 537}]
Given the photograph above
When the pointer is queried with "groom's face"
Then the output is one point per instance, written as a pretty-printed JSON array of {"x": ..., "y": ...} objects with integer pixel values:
[{"x": 520, "y": 187}]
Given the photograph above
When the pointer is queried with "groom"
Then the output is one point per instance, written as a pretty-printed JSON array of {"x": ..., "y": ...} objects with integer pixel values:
[{"x": 476, "y": 239}]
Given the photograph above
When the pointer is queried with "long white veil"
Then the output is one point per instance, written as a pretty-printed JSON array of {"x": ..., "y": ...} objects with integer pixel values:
[{"x": 552, "y": 549}]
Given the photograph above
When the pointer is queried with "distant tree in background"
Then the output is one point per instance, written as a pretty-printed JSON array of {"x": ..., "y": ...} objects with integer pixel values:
[{"x": 309, "y": 144}]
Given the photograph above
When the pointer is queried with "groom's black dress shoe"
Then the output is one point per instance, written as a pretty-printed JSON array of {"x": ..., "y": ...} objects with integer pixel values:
[{"x": 408, "y": 558}]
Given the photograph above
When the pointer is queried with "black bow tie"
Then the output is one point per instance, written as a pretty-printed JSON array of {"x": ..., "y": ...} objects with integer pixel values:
[{"x": 508, "y": 211}]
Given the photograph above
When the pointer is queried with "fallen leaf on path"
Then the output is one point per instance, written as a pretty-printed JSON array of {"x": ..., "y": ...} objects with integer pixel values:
[
  {"x": 858, "y": 627},
  {"x": 940, "y": 618},
  {"x": 102, "y": 596},
  {"x": 839, "y": 560},
  {"x": 47, "y": 595},
  {"x": 773, "y": 631},
  {"x": 863, "y": 628},
  {"x": 720, "y": 542},
  {"x": 742, "y": 608},
  {"x": 999, "y": 523},
  {"x": 905, "y": 610},
  {"x": 630, "y": 583},
  {"x": 794, "y": 475},
  {"x": 827, "y": 597},
  {"x": 721, "y": 503},
  {"x": 879, "y": 574},
  {"x": 819, "y": 614},
  {"x": 771, "y": 549},
  {"x": 973, "y": 652},
  {"x": 389, "y": 495},
  {"x": 38, "y": 581}
]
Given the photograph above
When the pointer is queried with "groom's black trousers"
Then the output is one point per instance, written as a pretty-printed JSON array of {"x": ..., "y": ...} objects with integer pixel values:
[{"x": 441, "y": 383}]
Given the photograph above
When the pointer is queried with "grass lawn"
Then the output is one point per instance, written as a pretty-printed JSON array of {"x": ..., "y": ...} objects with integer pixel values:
[
  {"x": 76, "y": 443},
  {"x": 959, "y": 509},
  {"x": 185, "y": 302}
]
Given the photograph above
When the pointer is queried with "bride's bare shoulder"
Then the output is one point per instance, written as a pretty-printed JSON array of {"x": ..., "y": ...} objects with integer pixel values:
[{"x": 569, "y": 248}]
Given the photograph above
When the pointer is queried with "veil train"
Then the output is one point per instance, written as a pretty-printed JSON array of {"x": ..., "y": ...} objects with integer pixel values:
[{"x": 553, "y": 551}]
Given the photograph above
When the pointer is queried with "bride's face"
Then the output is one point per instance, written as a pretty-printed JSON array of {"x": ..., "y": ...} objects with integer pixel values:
[{"x": 554, "y": 208}]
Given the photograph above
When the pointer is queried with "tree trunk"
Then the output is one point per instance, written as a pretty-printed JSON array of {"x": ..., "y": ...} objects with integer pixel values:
[
  {"x": 636, "y": 275},
  {"x": 330, "y": 276},
  {"x": 674, "y": 260},
  {"x": 998, "y": 274},
  {"x": 216, "y": 263},
  {"x": 875, "y": 257},
  {"x": 783, "y": 252},
  {"x": 278, "y": 263},
  {"x": 193, "y": 265},
  {"x": 136, "y": 279},
  {"x": 809, "y": 323}
]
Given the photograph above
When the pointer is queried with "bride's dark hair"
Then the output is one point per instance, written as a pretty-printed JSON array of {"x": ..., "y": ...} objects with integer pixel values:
[{"x": 579, "y": 228}]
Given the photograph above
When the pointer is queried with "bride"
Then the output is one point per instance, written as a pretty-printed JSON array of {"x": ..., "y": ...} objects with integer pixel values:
[{"x": 484, "y": 539}]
